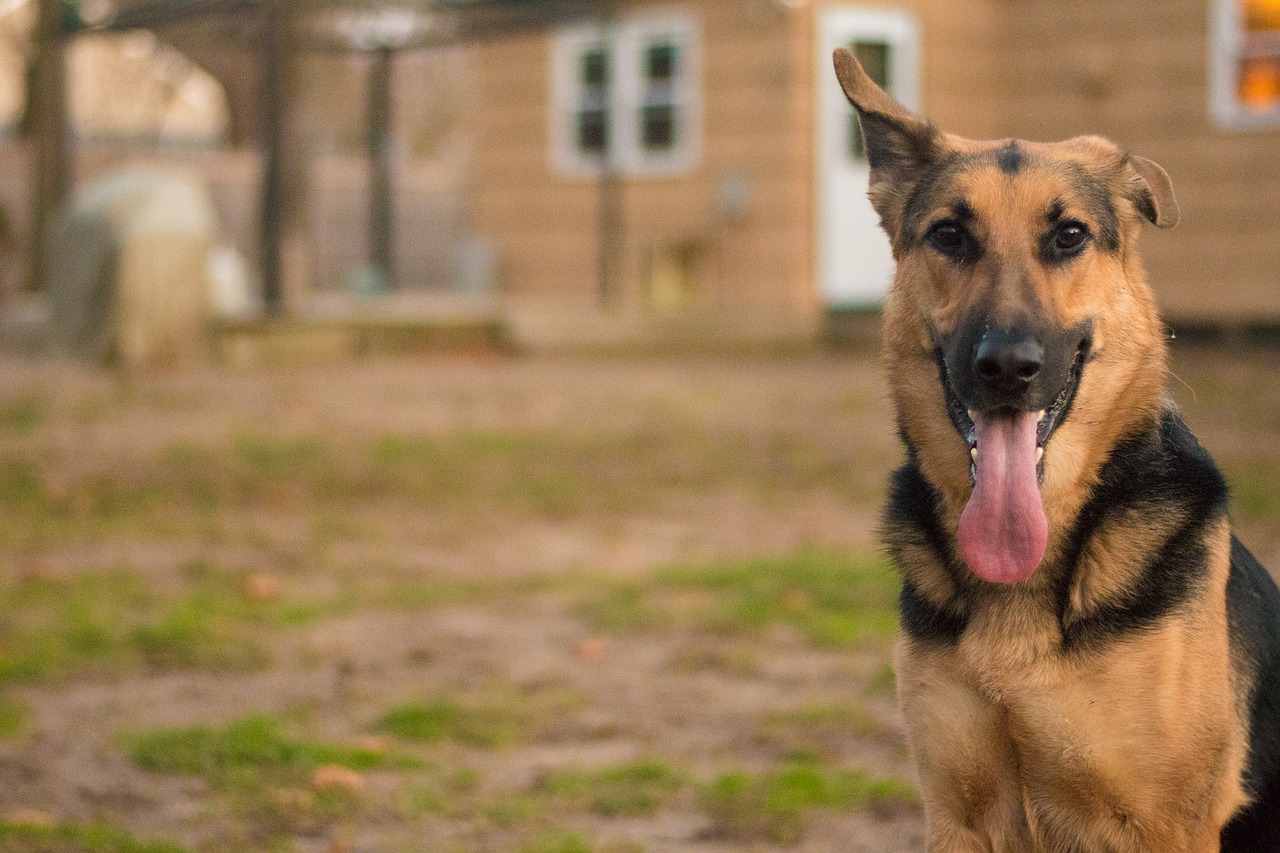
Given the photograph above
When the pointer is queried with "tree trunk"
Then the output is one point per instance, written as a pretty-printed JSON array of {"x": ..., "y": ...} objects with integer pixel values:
[{"x": 47, "y": 138}]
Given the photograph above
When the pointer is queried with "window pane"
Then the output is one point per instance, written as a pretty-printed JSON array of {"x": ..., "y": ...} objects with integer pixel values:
[
  {"x": 658, "y": 127},
  {"x": 1258, "y": 85},
  {"x": 660, "y": 62},
  {"x": 595, "y": 67},
  {"x": 876, "y": 58},
  {"x": 593, "y": 131},
  {"x": 1261, "y": 15}
]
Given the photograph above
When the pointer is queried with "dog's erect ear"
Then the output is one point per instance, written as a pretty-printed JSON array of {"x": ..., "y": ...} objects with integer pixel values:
[
  {"x": 899, "y": 143},
  {"x": 1153, "y": 192}
]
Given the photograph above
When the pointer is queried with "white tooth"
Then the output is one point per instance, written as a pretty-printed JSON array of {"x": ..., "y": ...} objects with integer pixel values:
[
  {"x": 1039, "y": 454},
  {"x": 1039, "y": 416},
  {"x": 973, "y": 453},
  {"x": 972, "y": 416}
]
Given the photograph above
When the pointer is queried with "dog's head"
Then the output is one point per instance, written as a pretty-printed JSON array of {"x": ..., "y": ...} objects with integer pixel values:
[{"x": 1022, "y": 339}]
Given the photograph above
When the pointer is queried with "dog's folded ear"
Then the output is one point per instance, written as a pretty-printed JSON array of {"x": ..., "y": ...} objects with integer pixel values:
[
  {"x": 1152, "y": 192},
  {"x": 899, "y": 143}
]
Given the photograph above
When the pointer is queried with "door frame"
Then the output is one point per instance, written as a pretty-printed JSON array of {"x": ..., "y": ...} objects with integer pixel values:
[{"x": 901, "y": 29}]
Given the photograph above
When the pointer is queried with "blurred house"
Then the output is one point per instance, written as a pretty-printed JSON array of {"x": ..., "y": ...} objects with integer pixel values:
[
  {"x": 690, "y": 166},
  {"x": 706, "y": 145}
]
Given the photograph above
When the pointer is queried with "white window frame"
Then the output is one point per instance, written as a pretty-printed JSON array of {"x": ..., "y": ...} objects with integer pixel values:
[
  {"x": 627, "y": 40},
  {"x": 1226, "y": 46}
]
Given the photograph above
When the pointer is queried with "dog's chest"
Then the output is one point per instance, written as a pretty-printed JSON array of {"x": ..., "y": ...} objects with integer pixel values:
[
  {"x": 1011, "y": 649},
  {"x": 1088, "y": 732}
]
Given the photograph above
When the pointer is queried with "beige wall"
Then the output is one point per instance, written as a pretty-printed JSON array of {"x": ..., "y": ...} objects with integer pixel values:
[
  {"x": 1135, "y": 71},
  {"x": 546, "y": 226}
]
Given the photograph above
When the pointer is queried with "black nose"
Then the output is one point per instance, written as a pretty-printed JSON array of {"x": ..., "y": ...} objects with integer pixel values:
[{"x": 1007, "y": 360}]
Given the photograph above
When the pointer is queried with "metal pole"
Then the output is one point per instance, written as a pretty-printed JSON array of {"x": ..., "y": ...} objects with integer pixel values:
[
  {"x": 272, "y": 82},
  {"x": 381, "y": 235},
  {"x": 50, "y": 161}
]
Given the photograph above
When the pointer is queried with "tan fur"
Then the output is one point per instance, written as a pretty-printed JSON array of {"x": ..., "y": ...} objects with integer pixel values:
[
  {"x": 1111, "y": 562},
  {"x": 1020, "y": 747}
]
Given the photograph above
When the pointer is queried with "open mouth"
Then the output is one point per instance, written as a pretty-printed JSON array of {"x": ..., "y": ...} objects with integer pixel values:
[
  {"x": 1003, "y": 531},
  {"x": 1047, "y": 420}
]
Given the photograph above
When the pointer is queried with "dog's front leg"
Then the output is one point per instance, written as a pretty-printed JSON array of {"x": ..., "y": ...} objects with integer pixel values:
[{"x": 973, "y": 801}]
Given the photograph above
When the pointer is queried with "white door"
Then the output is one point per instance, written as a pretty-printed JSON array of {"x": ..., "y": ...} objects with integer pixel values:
[{"x": 855, "y": 264}]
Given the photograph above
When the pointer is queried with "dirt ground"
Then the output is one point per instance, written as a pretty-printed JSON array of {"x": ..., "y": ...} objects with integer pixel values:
[{"x": 539, "y": 605}]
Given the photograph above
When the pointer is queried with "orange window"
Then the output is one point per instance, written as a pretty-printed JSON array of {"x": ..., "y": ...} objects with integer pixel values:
[
  {"x": 1258, "y": 67},
  {"x": 1244, "y": 64}
]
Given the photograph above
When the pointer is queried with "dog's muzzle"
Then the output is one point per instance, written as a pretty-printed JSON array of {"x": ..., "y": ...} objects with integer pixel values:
[
  {"x": 1007, "y": 390},
  {"x": 987, "y": 368}
]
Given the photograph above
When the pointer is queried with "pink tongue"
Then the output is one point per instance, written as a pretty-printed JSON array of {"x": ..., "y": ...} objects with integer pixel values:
[{"x": 1003, "y": 531}]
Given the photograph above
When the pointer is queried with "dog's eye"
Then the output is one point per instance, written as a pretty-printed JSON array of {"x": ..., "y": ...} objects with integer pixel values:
[
  {"x": 1070, "y": 236},
  {"x": 947, "y": 237}
]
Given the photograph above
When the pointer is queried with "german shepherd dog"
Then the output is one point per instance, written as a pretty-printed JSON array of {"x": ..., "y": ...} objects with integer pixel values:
[{"x": 1089, "y": 660}]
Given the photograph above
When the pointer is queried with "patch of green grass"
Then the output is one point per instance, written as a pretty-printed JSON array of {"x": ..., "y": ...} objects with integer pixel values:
[
  {"x": 76, "y": 838},
  {"x": 488, "y": 725},
  {"x": 55, "y": 626},
  {"x": 107, "y": 621},
  {"x": 884, "y": 681},
  {"x": 21, "y": 486},
  {"x": 773, "y": 806},
  {"x": 43, "y": 504},
  {"x": 13, "y": 716},
  {"x": 494, "y": 719},
  {"x": 276, "y": 458},
  {"x": 437, "y": 791},
  {"x": 833, "y": 599},
  {"x": 114, "y": 621},
  {"x": 625, "y": 790},
  {"x": 265, "y": 777},
  {"x": 513, "y": 810},
  {"x": 816, "y": 730},
  {"x": 257, "y": 746},
  {"x": 211, "y": 628},
  {"x": 192, "y": 487},
  {"x": 22, "y": 415},
  {"x": 1255, "y": 495},
  {"x": 558, "y": 842}
]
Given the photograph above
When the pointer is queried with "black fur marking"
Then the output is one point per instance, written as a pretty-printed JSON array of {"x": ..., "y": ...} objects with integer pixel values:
[
  {"x": 1010, "y": 159},
  {"x": 926, "y": 194},
  {"x": 962, "y": 210},
  {"x": 1162, "y": 466},
  {"x": 1095, "y": 197},
  {"x": 1253, "y": 618},
  {"x": 924, "y": 622},
  {"x": 1141, "y": 194},
  {"x": 1146, "y": 205},
  {"x": 897, "y": 149},
  {"x": 912, "y": 518}
]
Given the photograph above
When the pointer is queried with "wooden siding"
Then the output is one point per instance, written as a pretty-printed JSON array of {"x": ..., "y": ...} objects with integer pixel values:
[
  {"x": 546, "y": 226},
  {"x": 1136, "y": 71}
]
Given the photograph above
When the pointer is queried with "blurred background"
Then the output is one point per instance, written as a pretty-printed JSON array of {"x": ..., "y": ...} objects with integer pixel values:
[{"x": 456, "y": 425}]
